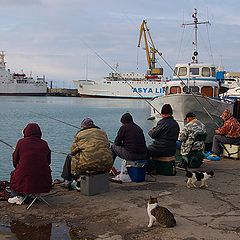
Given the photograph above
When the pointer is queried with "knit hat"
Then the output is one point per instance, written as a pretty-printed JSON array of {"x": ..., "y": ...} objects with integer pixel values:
[
  {"x": 166, "y": 109},
  {"x": 226, "y": 115},
  {"x": 86, "y": 123},
  {"x": 190, "y": 115},
  {"x": 126, "y": 118}
]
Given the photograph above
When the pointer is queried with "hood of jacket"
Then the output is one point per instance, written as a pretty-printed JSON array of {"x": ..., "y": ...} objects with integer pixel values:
[{"x": 32, "y": 129}]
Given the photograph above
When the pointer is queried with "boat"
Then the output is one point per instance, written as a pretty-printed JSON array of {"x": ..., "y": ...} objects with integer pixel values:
[
  {"x": 234, "y": 92},
  {"x": 194, "y": 88},
  {"x": 19, "y": 83},
  {"x": 128, "y": 85}
]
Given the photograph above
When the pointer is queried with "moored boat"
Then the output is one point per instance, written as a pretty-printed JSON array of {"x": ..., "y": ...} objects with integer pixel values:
[
  {"x": 194, "y": 88},
  {"x": 19, "y": 83}
]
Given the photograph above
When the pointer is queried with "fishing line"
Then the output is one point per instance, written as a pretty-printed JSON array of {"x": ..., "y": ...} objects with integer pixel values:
[
  {"x": 118, "y": 74},
  {"x": 12, "y": 147},
  {"x": 166, "y": 62},
  {"x": 69, "y": 124}
]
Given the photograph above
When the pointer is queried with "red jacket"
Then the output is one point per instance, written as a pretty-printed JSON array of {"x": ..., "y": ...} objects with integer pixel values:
[{"x": 31, "y": 159}]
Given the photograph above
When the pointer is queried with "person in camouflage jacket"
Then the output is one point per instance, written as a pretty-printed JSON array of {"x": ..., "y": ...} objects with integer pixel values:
[
  {"x": 90, "y": 151},
  {"x": 228, "y": 133},
  {"x": 188, "y": 135}
]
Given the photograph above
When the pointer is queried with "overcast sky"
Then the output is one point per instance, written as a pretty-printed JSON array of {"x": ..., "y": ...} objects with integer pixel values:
[{"x": 75, "y": 39}]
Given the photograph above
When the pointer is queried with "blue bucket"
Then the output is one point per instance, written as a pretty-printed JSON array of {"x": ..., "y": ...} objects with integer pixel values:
[{"x": 137, "y": 170}]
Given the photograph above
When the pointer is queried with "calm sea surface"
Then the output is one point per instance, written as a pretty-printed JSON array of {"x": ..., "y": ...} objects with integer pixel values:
[{"x": 17, "y": 112}]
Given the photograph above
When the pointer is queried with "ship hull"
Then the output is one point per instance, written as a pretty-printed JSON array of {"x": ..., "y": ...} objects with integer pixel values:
[
  {"x": 184, "y": 103},
  {"x": 26, "y": 89},
  {"x": 120, "y": 89}
]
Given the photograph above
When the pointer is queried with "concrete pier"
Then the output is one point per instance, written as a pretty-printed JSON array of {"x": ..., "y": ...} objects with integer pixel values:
[{"x": 211, "y": 213}]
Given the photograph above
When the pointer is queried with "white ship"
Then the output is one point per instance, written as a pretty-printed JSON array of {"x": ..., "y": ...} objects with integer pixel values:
[
  {"x": 122, "y": 85},
  {"x": 19, "y": 83},
  {"x": 128, "y": 85}
]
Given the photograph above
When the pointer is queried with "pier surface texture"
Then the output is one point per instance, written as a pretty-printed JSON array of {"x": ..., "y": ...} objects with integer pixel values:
[{"x": 201, "y": 213}]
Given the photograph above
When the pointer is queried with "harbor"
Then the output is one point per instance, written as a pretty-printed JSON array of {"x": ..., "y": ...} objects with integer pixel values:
[
  {"x": 120, "y": 214},
  {"x": 115, "y": 101}
]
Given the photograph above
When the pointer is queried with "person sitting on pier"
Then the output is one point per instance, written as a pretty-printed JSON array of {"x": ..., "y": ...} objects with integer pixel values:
[
  {"x": 229, "y": 133},
  {"x": 165, "y": 135},
  {"x": 90, "y": 152},
  {"x": 31, "y": 159},
  {"x": 191, "y": 142},
  {"x": 130, "y": 143}
]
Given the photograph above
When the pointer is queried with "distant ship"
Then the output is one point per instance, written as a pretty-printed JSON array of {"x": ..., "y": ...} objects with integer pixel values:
[
  {"x": 122, "y": 85},
  {"x": 128, "y": 85},
  {"x": 19, "y": 83}
]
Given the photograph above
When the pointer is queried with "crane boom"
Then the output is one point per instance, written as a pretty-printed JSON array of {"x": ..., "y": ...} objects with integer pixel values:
[{"x": 150, "y": 51}]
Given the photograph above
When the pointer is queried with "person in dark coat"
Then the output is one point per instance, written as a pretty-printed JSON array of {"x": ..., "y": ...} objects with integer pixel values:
[
  {"x": 130, "y": 143},
  {"x": 165, "y": 134},
  {"x": 31, "y": 160}
]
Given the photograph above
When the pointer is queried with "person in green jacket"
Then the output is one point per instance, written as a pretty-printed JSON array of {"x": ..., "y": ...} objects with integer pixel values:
[{"x": 90, "y": 151}]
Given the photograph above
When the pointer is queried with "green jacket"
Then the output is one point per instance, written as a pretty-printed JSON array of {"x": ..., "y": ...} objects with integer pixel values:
[{"x": 91, "y": 152}]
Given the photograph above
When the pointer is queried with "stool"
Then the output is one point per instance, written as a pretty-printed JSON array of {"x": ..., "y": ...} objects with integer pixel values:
[
  {"x": 165, "y": 165},
  {"x": 231, "y": 151},
  {"x": 94, "y": 183},
  {"x": 35, "y": 196}
]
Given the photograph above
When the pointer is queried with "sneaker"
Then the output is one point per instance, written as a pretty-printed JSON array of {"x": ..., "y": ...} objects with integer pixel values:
[
  {"x": 66, "y": 184},
  {"x": 206, "y": 154},
  {"x": 213, "y": 157},
  {"x": 17, "y": 199}
]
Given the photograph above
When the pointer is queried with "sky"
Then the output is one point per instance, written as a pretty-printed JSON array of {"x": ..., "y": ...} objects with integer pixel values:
[{"x": 67, "y": 40}]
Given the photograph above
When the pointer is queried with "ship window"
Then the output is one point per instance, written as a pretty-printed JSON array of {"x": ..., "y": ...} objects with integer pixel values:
[
  {"x": 207, "y": 91},
  {"x": 194, "y": 71},
  {"x": 206, "y": 72},
  {"x": 182, "y": 71},
  {"x": 193, "y": 89},
  {"x": 175, "y": 71},
  {"x": 216, "y": 92},
  {"x": 213, "y": 71},
  {"x": 175, "y": 89}
]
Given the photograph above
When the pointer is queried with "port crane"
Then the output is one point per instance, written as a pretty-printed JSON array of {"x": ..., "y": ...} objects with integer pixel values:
[{"x": 151, "y": 51}]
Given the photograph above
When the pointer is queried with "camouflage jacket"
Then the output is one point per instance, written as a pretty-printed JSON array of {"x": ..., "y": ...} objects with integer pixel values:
[
  {"x": 230, "y": 128},
  {"x": 91, "y": 151},
  {"x": 188, "y": 134}
]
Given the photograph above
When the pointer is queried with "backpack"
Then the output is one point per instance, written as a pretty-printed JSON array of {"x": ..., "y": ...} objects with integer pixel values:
[{"x": 4, "y": 190}]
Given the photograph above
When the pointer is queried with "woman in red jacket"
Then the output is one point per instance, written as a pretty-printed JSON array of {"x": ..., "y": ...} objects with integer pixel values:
[{"x": 31, "y": 159}]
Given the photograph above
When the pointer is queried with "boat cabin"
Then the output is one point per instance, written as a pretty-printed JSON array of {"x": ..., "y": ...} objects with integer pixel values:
[{"x": 193, "y": 78}]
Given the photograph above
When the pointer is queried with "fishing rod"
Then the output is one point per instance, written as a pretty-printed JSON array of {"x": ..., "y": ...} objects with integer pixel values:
[
  {"x": 14, "y": 148},
  {"x": 7, "y": 144},
  {"x": 69, "y": 124}
]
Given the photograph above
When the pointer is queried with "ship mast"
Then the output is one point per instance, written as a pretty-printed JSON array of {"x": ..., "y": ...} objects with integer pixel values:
[
  {"x": 195, "y": 43},
  {"x": 2, "y": 63}
]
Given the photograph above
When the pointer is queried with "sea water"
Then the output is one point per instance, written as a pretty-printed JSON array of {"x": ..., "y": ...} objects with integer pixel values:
[{"x": 17, "y": 112}]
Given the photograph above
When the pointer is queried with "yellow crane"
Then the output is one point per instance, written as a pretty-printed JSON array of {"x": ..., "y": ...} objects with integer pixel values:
[{"x": 150, "y": 51}]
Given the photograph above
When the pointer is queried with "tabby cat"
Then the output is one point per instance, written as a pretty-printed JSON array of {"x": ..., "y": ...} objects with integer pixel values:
[{"x": 159, "y": 214}]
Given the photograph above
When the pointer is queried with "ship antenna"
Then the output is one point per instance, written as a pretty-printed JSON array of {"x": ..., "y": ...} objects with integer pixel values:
[{"x": 195, "y": 42}]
